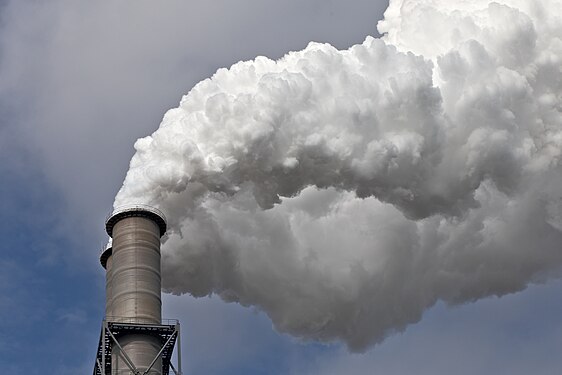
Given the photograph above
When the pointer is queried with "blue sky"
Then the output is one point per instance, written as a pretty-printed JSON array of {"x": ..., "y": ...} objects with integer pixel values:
[{"x": 79, "y": 82}]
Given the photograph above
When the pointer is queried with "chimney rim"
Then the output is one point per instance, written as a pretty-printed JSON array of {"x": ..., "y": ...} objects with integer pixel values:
[
  {"x": 105, "y": 253},
  {"x": 135, "y": 210}
]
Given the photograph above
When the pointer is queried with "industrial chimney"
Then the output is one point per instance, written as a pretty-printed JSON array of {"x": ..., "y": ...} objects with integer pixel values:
[{"x": 134, "y": 339}]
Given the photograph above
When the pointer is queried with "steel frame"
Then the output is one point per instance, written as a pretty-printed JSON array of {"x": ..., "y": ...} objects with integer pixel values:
[{"x": 169, "y": 334}]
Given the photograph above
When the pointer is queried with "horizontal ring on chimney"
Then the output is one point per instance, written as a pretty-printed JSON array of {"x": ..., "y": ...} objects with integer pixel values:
[{"x": 137, "y": 210}]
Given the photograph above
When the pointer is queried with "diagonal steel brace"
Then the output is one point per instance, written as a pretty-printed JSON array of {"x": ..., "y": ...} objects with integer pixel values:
[
  {"x": 124, "y": 355},
  {"x": 173, "y": 335}
]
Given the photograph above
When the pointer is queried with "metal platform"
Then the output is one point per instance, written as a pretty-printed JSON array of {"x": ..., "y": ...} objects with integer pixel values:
[{"x": 168, "y": 332}]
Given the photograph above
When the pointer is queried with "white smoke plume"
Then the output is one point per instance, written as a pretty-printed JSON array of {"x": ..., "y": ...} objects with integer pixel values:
[{"x": 345, "y": 192}]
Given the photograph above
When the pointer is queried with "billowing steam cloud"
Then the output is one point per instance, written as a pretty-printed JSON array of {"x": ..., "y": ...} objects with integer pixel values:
[{"x": 345, "y": 192}]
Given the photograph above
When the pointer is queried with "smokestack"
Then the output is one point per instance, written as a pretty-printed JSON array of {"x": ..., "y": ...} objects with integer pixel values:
[
  {"x": 135, "y": 265},
  {"x": 134, "y": 337},
  {"x": 107, "y": 263}
]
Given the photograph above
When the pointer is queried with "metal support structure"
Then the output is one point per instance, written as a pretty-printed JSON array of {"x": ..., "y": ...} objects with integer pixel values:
[{"x": 168, "y": 333}]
